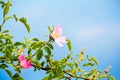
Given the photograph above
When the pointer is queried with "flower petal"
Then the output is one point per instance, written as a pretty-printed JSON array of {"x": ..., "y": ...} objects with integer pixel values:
[
  {"x": 58, "y": 29},
  {"x": 58, "y": 43},
  {"x": 21, "y": 57},
  {"x": 53, "y": 35},
  {"x": 63, "y": 39},
  {"x": 25, "y": 64},
  {"x": 28, "y": 64}
]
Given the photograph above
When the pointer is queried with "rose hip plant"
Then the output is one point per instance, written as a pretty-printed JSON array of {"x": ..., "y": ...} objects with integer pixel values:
[{"x": 38, "y": 54}]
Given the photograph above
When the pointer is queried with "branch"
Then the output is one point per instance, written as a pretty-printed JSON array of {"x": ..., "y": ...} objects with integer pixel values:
[
  {"x": 70, "y": 75},
  {"x": 76, "y": 76}
]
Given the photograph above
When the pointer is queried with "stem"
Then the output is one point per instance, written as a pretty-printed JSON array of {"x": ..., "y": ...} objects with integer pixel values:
[{"x": 70, "y": 75}]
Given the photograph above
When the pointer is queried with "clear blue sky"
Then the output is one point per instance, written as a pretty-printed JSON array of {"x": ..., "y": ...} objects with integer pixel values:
[{"x": 93, "y": 24}]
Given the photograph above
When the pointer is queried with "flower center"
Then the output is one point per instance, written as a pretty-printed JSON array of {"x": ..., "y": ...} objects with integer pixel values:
[{"x": 57, "y": 35}]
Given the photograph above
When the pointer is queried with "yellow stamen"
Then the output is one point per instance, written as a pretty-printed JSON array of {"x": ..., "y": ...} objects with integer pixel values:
[{"x": 57, "y": 35}]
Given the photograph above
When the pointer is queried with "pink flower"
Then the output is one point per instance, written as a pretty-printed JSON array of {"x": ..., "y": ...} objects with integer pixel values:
[
  {"x": 56, "y": 35},
  {"x": 24, "y": 63}
]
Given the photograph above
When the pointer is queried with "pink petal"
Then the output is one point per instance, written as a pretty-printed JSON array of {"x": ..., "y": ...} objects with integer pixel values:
[
  {"x": 25, "y": 64},
  {"x": 58, "y": 43},
  {"x": 58, "y": 29},
  {"x": 28, "y": 64},
  {"x": 63, "y": 39},
  {"x": 21, "y": 57},
  {"x": 53, "y": 35}
]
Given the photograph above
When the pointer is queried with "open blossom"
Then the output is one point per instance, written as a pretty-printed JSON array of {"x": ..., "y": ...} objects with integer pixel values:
[
  {"x": 56, "y": 35},
  {"x": 24, "y": 63}
]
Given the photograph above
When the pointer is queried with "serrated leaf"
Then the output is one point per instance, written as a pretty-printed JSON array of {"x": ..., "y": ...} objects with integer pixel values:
[
  {"x": 69, "y": 45},
  {"x": 24, "y": 21},
  {"x": 48, "y": 51},
  {"x": 9, "y": 73},
  {"x": 39, "y": 54},
  {"x": 95, "y": 60}
]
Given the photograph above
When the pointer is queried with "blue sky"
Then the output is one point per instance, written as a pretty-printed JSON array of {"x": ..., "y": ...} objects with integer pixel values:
[{"x": 93, "y": 24}]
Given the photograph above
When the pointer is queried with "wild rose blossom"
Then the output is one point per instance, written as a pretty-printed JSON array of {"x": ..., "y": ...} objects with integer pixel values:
[
  {"x": 56, "y": 35},
  {"x": 24, "y": 63}
]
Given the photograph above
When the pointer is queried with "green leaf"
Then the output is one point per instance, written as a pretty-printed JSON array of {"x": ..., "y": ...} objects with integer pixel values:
[
  {"x": 88, "y": 64},
  {"x": 47, "y": 49},
  {"x": 18, "y": 43},
  {"x": 69, "y": 45},
  {"x": 35, "y": 39},
  {"x": 17, "y": 77},
  {"x": 39, "y": 54},
  {"x": 92, "y": 71},
  {"x": 95, "y": 60},
  {"x": 3, "y": 66},
  {"x": 42, "y": 64},
  {"x": 88, "y": 58},
  {"x": 50, "y": 45},
  {"x": 36, "y": 62},
  {"x": 70, "y": 65},
  {"x": 76, "y": 63},
  {"x": 50, "y": 77},
  {"x": 24, "y": 21},
  {"x": 15, "y": 17},
  {"x": 35, "y": 45},
  {"x": 9, "y": 73},
  {"x": 49, "y": 29},
  {"x": 2, "y": 4},
  {"x": 6, "y": 9},
  {"x": 112, "y": 78},
  {"x": 45, "y": 78},
  {"x": 7, "y": 18},
  {"x": 5, "y": 31},
  {"x": 18, "y": 69}
]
